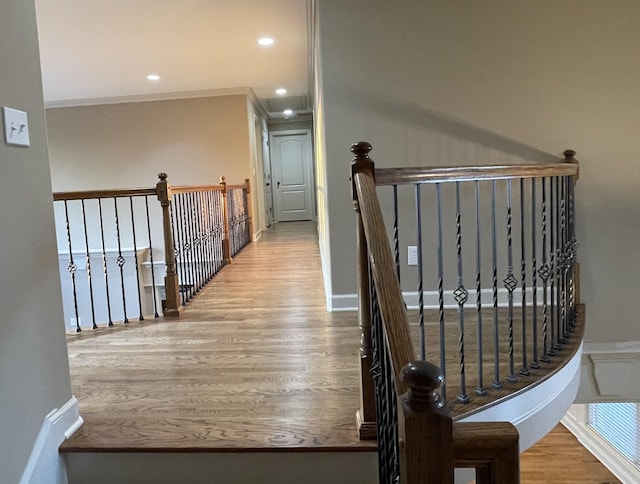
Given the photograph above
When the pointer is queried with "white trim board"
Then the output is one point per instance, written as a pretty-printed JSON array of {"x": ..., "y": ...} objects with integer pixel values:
[
  {"x": 45, "y": 465},
  {"x": 349, "y": 302},
  {"x": 610, "y": 372}
]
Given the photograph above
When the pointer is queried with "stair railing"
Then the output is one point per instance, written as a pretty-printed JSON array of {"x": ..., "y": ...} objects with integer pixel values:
[
  {"x": 393, "y": 378},
  {"x": 111, "y": 243}
]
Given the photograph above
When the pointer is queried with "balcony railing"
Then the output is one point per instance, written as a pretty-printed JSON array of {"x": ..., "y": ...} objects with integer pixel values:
[
  {"x": 497, "y": 245},
  {"x": 123, "y": 255}
]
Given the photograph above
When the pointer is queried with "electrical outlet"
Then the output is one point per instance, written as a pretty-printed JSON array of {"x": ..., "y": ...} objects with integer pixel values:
[{"x": 412, "y": 255}]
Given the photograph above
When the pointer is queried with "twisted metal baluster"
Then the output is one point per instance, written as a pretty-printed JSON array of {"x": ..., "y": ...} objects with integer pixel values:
[
  {"x": 120, "y": 261},
  {"x": 544, "y": 273},
  {"x": 496, "y": 383},
  {"x": 480, "y": 390},
  {"x": 523, "y": 274},
  {"x": 559, "y": 266},
  {"x": 72, "y": 268},
  {"x": 88, "y": 261},
  {"x": 534, "y": 282},
  {"x": 135, "y": 258},
  {"x": 423, "y": 353},
  {"x": 552, "y": 267},
  {"x": 396, "y": 231},
  {"x": 153, "y": 275},
  {"x": 443, "y": 356},
  {"x": 104, "y": 263},
  {"x": 510, "y": 284},
  {"x": 461, "y": 295},
  {"x": 178, "y": 248}
]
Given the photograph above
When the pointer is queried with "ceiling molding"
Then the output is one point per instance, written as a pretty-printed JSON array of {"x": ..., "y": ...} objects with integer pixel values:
[{"x": 160, "y": 96}]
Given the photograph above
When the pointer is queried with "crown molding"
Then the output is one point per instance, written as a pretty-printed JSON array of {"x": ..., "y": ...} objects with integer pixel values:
[{"x": 159, "y": 96}]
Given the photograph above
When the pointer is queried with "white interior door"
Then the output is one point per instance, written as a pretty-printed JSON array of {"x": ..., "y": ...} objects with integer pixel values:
[{"x": 292, "y": 174}]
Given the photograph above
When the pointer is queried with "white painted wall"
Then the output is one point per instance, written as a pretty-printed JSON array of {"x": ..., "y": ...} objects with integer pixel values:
[
  {"x": 34, "y": 371},
  {"x": 432, "y": 82}
]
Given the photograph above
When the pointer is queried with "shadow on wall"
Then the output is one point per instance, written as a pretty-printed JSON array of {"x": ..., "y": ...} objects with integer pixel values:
[{"x": 414, "y": 114}]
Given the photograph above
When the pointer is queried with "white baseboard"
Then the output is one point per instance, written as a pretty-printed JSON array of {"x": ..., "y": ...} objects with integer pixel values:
[
  {"x": 257, "y": 236},
  {"x": 349, "y": 302},
  {"x": 575, "y": 421},
  {"x": 45, "y": 465}
]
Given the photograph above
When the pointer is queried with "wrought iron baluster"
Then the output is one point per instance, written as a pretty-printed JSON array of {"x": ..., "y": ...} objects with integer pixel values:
[
  {"x": 497, "y": 384},
  {"x": 423, "y": 353},
  {"x": 573, "y": 251},
  {"x": 553, "y": 266},
  {"x": 185, "y": 248},
  {"x": 396, "y": 231},
  {"x": 443, "y": 356},
  {"x": 565, "y": 260},
  {"x": 105, "y": 271},
  {"x": 72, "y": 268},
  {"x": 559, "y": 266},
  {"x": 461, "y": 295},
  {"x": 193, "y": 263},
  {"x": 510, "y": 284},
  {"x": 153, "y": 275},
  {"x": 120, "y": 261},
  {"x": 135, "y": 258},
  {"x": 209, "y": 235},
  {"x": 179, "y": 250},
  {"x": 544, "y": 273},
  {"x": 480, "y": 390},
  {"x": 523, "y": 275},
  {"x": 199, "y": 240},
  {"x": 88, "y": 261},
  {"x": 534, "y": 281},
  {"x": 219, "y": 230}
]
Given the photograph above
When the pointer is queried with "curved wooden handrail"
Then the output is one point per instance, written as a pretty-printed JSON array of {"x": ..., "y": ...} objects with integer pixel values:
[
  {"x": 109, "y": 193},
  {"x": 195, "y": 188},
  {"x": 442, "y": 174}
]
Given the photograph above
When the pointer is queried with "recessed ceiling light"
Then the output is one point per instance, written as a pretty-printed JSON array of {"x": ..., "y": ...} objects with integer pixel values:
[
  {"x": 153, "y": 77},
  {"x": 265, "y": 41},
  {"x": 287, "y": 112},
  {"x": 281, "y": 91}
]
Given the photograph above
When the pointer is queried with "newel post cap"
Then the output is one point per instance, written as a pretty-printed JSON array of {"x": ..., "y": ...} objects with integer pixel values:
[
  {"x": 360, "y": 150},
  {"x": 423, "y": 379}
]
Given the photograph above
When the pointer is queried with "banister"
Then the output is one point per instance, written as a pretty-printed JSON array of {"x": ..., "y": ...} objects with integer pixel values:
[
  {"x": 442, "y": 174},
  {"x": 108, "y": 193}
]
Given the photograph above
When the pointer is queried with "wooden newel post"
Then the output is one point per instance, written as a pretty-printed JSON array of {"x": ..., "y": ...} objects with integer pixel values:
[
  {"x": 171, "y": 303},
  {"x": 366, "y": 414},
  {"x": 247, "y": 186},
  {"x": 226, "y": 247},
  {"x": 426, "y": 438}
]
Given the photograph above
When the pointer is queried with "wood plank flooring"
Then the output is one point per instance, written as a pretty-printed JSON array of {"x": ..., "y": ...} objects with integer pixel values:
[{"x": 255, "y": 363}]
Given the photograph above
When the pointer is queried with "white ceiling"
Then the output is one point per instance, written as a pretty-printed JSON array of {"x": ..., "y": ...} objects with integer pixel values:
[{"x": 102, "y": 49}]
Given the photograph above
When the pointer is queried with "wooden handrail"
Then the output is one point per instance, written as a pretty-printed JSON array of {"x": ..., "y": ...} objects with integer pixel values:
[
  {"x": 195, "y": 188},
  {"x": 393, "y": 176},
  {"x": 110, "y": 193}
]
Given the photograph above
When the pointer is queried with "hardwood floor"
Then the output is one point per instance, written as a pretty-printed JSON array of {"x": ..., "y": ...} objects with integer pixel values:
[{"x": 255, "y": 363}]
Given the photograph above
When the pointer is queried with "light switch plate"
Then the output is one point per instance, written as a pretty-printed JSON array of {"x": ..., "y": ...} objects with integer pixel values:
[{"x": 16, "y": 127}]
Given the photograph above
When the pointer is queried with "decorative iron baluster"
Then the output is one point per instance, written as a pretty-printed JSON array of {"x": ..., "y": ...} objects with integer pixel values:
[
  {"x": 209, "y": 235},
  {"x": 461, "y": 295},
  {"x": 496, "y": 383},
  {"x": 564, "y": 241},
  {"x": 88, "y": 262},
  {"x": 443, "y": 356},
  {"x": 178, "y": 248},
  {"x": 219, "y": 230},
  {"x": 423, "y": 353},
  {"x": 153, "y": 275},
  {"x": 552, "y": 267},
  {"x": 199, "y": 240},
  {"x": 523, "y": 275},
  {"x": 573, "y": 251},
  {"x": 120, "y": 261},
  {"x": 193, "y": 263},
  {"x": 559, "y": 267},
  {"x": 135, "y": 258},
  {"x": 544, "y": 273},
  {"x": 105, "y": 271},
  {"x": 72, "y": 268},
  {"x": 480, "y": 390},
  {"x": 534, "y": 282},
  {"x": 396, "y": 231},
  {"x": 510, "y": 283},
  {"x": 185, "y": 248}
]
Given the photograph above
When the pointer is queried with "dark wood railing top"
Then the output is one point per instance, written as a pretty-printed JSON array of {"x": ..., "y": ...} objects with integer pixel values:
[
  {"x": 109, "y": 193},
  {"x": 442, "y": 174},
  {"x": 198, "y": 188}
]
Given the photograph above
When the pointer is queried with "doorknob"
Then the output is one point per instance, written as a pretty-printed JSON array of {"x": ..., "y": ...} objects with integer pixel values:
[
  {"x": 268, "y": 184},
  {"x": 278, "y": 185}
]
